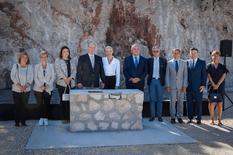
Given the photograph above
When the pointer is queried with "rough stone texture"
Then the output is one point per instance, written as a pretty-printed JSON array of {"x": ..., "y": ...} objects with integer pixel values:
[
  {"x": 121, "y": 114},
  {"x": 33, "y": 25}
]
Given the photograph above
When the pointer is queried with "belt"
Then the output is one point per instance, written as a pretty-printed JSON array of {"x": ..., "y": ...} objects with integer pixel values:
[{"x": 156, "y": 78}]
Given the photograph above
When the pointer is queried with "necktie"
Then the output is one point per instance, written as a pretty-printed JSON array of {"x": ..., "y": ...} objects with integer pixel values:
[
  {"x": 44, "y": 73},
  {"x": 92, "y": 61},
  {"x": 176, "y": 66},
  {"x": 193, "y": 66},
  {"x": 136, "y": 61}
]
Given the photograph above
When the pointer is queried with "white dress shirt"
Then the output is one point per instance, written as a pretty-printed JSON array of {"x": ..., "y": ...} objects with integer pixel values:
[
  {"x": 112, "y": 69},
  {"x": 156, "y": 68},
  {"x": 92, "y": 59},
  {"x": 191, "y": 62}
]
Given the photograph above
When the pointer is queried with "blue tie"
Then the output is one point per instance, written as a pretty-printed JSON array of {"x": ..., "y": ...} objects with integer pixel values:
[
  {"x": 177, "y": 66},
  {"x": 136, "y": 61}
]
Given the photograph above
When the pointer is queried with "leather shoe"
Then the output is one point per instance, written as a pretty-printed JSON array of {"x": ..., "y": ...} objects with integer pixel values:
[
  {"x": 24, "y": 124},
  {"x": 198, "y": 121},
  {"x": 190, "y": 121},
  {"x": 180, "y": 120},
  {"x": 173, "y": 121},
  {"x": 160, "y": 119},
  {"x": 152, "y": 119}
]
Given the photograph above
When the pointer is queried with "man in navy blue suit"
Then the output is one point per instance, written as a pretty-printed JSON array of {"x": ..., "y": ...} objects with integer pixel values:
[
  {"x": 135, "y": 69},
  {"x": 197, "y": 77}
]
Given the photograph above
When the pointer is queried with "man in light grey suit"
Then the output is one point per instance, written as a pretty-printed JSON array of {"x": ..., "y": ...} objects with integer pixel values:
[{"x": 176, "y": 84}]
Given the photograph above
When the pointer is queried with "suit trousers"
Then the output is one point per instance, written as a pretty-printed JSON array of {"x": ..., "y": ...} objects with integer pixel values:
[
  {"x": 65, "y": 104},
  {"x": 194, "y": 101},
  {"x": 20, "y": 100},
  {"x": 176, "y": 96},
  {"x": 156, "y": 94},
  {"x": 43, "y": 100}
]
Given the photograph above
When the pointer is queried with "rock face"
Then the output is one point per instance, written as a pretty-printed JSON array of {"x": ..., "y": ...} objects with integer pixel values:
[
  {"x": 33, "y": 25},
  {"x": 123, "y": 113}
]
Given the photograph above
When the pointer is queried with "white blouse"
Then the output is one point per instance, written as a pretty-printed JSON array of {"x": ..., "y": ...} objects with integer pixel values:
[{"x": 112, "y": 69}]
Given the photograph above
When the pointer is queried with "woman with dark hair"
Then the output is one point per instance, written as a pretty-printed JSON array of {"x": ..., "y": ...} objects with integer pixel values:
[
  {"x": 44, "y": 76},
  {"x": 66, "y": 72},
  {"x": 22, "y": 77},
  {"x": 216, "y": 76}
]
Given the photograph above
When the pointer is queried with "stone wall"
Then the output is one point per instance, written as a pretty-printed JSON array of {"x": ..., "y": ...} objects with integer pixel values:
[
  {"x": 106, "y": 111},
  {"x": 33, "y": 25}
]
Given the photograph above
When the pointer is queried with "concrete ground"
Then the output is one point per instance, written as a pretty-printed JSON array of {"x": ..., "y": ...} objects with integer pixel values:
[{"x": 212, "y": 140}]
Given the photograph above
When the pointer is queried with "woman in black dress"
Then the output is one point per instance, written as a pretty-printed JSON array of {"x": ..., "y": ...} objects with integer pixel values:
[{"x": 216, "y": 75}]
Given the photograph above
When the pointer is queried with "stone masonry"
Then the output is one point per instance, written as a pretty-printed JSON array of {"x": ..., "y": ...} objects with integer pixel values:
[{"x": 91, "y": 110}]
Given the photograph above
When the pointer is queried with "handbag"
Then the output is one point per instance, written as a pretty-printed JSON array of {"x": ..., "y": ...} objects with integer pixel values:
[
  {"x": 66, "y": 96},
  {"x": 215, "y": 97}
]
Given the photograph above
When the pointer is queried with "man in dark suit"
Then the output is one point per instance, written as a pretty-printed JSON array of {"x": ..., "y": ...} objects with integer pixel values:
[
  {"x": 197, "y": 77},
  {"x": 135, "y": 69},
  {"x": 90, "y": 69},
  {"x": 156, "y": 80}
]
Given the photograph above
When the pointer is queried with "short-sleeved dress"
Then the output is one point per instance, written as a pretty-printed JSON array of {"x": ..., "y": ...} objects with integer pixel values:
[{"x": 216, "y": 74}]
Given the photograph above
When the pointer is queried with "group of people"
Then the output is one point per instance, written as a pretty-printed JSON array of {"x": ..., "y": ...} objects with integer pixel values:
[{"x": 176, "y": 76}]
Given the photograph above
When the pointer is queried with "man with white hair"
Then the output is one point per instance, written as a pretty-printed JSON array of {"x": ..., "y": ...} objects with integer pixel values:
[
  {"x": 156, "y": 81},
  {"x": 90, "y": 69},
  {"x": 135, "y": 69}
]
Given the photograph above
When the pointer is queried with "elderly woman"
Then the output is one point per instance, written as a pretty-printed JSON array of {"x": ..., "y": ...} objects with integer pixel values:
[
  {"x": 44, "y": 76},
  {"x": 66, "y": 72},
  {"x": 216, "y": 76},
  {"x": 111, "y": 69},
  {"x": 22, "y": 77}
]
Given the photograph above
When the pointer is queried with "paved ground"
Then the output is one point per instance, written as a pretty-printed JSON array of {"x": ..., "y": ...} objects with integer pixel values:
[{"x": 211, "y": 140}]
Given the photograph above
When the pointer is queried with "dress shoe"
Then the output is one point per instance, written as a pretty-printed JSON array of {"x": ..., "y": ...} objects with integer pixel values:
[
  {"x": 24, "y": 124},
  {"x": 198, "y": 122},
  {"x": 152, "y": 119},
  {"x": 160, "y": 119},
  {"x": 190, "y": 121},
  {"x": 180, "y": 120},
  {"x": 173, "y": 121}
]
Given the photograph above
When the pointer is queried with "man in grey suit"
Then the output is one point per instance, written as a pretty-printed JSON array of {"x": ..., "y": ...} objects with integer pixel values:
[{"x": 176, "y": 84}]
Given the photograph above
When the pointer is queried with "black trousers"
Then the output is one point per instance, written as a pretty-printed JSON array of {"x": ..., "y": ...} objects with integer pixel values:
[
  {"x": 110, "y": 82},
  {"x": 20, "y": 100},
  {"x": 43, "y": 100},
  {"x": 65, "y": 104}
]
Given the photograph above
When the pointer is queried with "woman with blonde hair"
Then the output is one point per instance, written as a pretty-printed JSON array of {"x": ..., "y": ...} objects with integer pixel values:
[
  {"x": 44, "y": 76},
  {"x": 22, "y": 77},
  {"x": 216, "y": 76}
]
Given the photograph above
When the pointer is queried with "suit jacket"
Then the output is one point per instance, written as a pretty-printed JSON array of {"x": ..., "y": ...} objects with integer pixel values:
[
  {"x": 23, "y": 79},
  {"x": 61, "y": 72},
  {"x": 162, "y": 70},
  {"x": 130, "y": 71},
  {"x": 176, "y": 80},
  {"x": 88, "y": 76},
  {"x": 40, "y": 79},
  {"x": 197, "y": 76}
]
